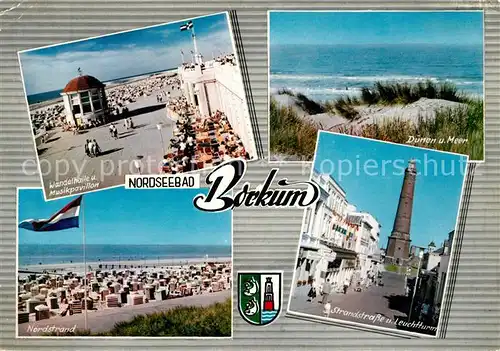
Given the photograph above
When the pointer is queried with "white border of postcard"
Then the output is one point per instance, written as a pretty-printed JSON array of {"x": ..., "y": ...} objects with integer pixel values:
[
  {"x": 231, "y": 292},
  {"x": 367, "y": 327},
  {"x": 238, "y": 59},
  {"x": 388, "y": 10}
]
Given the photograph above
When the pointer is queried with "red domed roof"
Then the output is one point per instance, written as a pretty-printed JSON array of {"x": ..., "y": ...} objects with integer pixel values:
[{"x": 82, "y": 83}]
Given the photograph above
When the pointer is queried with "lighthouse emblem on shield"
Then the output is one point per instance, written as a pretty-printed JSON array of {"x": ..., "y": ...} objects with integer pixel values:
[{"x": 259, "y": 296}]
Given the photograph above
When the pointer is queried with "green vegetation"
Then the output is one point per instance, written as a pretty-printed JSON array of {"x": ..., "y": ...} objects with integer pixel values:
[
  {"x": 454, "y": 129},
  {"x": 308, "y": 105},
  {"x": 291, "y": 134},
  {"x": 443, "y": 132},
  {"x": 392, "y": 268},
  {"x": 214, "y": 320},
  {"x": 404, "y": 93}
]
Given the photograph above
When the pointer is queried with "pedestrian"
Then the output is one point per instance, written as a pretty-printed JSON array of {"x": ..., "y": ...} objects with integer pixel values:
[
  {"x": 86, "y": 146},
  {"x": 424, "y": 311},
  {"x": 130, "y": 123},
  {"x": 327, "y": 309},
  {"x": 91, "y": 148},
  {"x": 347, "y": 282},
  {"x": 312, "y": 292},
  {"x": 97, "y": 148},
  {"x": 326, "y": 289}
]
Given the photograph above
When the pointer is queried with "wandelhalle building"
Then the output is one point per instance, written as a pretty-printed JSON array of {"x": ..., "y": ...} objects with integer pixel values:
[{"x": 337, "y": 243}]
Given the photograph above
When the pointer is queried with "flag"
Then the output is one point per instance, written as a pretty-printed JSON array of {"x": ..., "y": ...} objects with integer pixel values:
[
  {"x": 66, "y": 218},
  {"x": 187, "y": 26}
]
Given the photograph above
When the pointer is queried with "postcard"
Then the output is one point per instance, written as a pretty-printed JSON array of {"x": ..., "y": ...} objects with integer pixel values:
[
  {"x": 409, "y": 77},
  {"x": 163, "y": 99},
  {"x": 375, "y": 250},
  {"x": 98, "y": 265}
]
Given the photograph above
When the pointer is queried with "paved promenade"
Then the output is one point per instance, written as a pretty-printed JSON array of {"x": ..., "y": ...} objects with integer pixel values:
[
  {"x": 104, "y": 320},
  {"x": 63, "y": 155},
  {"x": 388, "y": 301}
]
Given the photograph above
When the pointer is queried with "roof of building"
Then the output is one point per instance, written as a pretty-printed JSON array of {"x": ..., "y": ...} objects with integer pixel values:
[{"x": 82, "y": 83}]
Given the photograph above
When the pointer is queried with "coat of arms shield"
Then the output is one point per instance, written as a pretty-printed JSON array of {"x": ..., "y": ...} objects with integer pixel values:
[{"x": 259, "y": 296}]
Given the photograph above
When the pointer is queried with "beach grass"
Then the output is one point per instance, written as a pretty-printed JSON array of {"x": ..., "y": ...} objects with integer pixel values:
[
  {"x": 210, "y": 321},
  {"x": 464, "y": 123},
  {"x": 391, "y": 93},
  {"x": 449, "y": 125},
  {"x": 291, "y": 135}
]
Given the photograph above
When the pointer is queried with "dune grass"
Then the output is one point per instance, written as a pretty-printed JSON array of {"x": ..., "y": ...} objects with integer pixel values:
[
  {"x": 390, "y": 93},
  {"x": 464, "y": 123},
  {"x": 213, "y": 320},
  {"x": 294, "y": 136},
  {"x": 291, "y": 134}
]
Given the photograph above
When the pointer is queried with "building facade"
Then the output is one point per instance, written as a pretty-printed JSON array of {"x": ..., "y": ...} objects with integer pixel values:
[
  {"x": 367, "y": 237},
  {"x": 328, "y": 239},
  {"x": 216, "y": 86}
]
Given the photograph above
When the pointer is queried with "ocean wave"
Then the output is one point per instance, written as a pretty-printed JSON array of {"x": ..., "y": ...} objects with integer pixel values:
[
  {"x": 404, "y": 78},
  {"x": 305, "y": 77},
  {"x": 318, "y": 91}
]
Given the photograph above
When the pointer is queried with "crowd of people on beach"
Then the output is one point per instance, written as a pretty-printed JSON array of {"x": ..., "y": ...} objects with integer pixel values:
[
  {"x": 223, "y": 59},
  {"x": 119, "y": 97}
]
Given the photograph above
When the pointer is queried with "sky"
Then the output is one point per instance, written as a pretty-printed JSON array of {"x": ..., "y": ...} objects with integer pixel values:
[
  {"x": 371, "y": 173},
  {"x": 119, "y": 216},
  {"x": 329, "y": 28},
  {"x": 124, "y": 54}
]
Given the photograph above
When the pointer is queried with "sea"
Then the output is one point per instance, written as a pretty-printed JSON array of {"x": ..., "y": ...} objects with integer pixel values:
[
  {"x": 324, "y": 72},
  {"x": 31, "y": 254},
  {"x": 56, "y": 94}
]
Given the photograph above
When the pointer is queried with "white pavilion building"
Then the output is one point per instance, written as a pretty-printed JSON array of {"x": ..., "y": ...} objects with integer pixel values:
[{"x": 84, "y": 100}]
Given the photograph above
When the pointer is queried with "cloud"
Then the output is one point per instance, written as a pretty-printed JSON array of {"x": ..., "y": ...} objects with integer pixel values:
[{"x": 46, "y": 73}]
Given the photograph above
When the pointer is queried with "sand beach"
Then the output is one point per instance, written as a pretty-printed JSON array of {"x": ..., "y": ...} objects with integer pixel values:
[{"x": 54, "y": 295}]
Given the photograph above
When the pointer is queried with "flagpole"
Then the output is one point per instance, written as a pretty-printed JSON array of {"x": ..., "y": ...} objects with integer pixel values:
[{"x": 84, "y": 261}]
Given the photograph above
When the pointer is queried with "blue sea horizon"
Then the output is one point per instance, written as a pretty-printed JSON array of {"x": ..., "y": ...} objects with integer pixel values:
[
  {"x": 33, "y": 254},
  {"x": 325, "y": 72},
  {"x": 55, "y": 94}
]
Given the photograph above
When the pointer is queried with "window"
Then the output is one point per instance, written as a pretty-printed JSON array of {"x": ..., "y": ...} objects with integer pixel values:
[
  {"x": 85, "y": 102},
  {"x": 96, "y": 101},
  {"x": 75, "y": 103}
]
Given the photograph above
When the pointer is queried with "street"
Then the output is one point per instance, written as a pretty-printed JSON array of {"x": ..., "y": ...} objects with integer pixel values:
[
  {"x": 63, "y": 156},
  {"x": 104, "y": 320},
  {"x": 387, "y": 301}
]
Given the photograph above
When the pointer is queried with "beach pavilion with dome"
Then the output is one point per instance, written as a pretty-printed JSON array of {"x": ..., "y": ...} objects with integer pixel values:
[{"x": 84, "y": 101}]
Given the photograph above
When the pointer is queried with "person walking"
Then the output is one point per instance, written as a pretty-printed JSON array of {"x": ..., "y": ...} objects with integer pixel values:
[
  {"x": 326, "y": 290},
  {"x": 347, "y": 282},
  {"x": 311, "y": 295},
  {"x": 91, "y": 148},
  {"x": 97, "y": 148},
  {"x": 86, "y": 146}
]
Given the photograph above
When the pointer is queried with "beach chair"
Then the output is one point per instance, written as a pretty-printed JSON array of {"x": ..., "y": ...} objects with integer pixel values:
[{"x": 75, "y": 307}]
